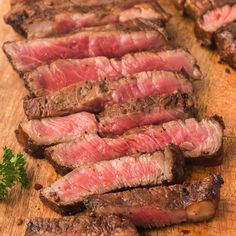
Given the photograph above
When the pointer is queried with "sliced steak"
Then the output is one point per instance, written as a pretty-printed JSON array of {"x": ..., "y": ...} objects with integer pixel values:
[
  {"x": 119, "y": 118},
  {"x": 226, "y": 44},
  {"x": 81, "y": 225},
  {"x": 161, "y": 206},
  {"x": 212, "y": 20},
  {"x": 112, "y": 40},
  {"x": 61, "y": 21},
  {"x": 200, "y": 142},
  {"x": 66, "y": 194},
  {"x": 61, "y": 73},
  {"x": 35, "y": 135},
  {"x": 94, "y": 96}
]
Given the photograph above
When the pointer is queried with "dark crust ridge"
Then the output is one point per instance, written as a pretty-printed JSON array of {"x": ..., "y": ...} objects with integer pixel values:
[
  {"x": 175, "y": 197},
  {"x": 81, "y": 224},
  {"x": 178, "y": 169}
]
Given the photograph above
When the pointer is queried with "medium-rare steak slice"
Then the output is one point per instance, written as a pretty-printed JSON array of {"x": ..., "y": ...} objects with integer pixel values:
[
  {"x": 66, "y": 194},
  {"x": 63, "y": 21},
  {"x": 25, "y": 14},
  {"x": 161, "y": 206},
  {"x": 83, "y": 225},
  {"x": 35, "y": 135},
  {"x": 119, "y": 118},
  {"x": 226, "y": 44},
  {"x": 112, "y": 40},
  {"x": 200, "y": 142},
  {"x": 61, "y": 73},
  {"x": 211, "y": 21},
  {"x": 94, "y": 96}
]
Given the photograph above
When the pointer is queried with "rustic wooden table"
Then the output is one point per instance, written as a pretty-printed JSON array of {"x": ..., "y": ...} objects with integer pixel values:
[{"x": 216, "y": 94}]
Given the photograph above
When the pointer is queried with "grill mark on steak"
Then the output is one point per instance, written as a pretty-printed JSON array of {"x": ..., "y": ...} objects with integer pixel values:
[
  {"x": 60, "y": 21},
  {"x": 112, "y": 40},
  {"x": 66, "y": 194},
  {"x": 105, "y": 225},
  {"x": 61, "y": 73},
  {"x": 36, "y": 135},
  {"x": 226, "y": 44},
  {"x": 95, "y": 96},
  {"x": 161, "y": 206},
  {"x": 200, "y": 142},
  {"x": 119, "y": 118}
]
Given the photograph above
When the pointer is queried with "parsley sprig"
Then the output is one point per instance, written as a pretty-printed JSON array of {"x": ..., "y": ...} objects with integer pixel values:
[{"x": 11, "y": 171}]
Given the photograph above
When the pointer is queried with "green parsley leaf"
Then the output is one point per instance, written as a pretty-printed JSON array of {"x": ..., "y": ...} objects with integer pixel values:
[{"x": 11, "y": 171}]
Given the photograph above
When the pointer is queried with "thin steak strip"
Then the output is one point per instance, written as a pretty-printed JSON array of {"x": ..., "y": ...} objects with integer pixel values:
[
  {"x": 119, "y": 118},
  {"x": 66, "y": 194},
  {"x": 67, "y": 20},
  {"x": 35, "y": 135},
  {"x": 200, "y": 142},
  {"x": 85, "y": 225},
  {"x": 61, "y": 73},
  {"x": 95, "y": 96},
  {"x": 113, "y": 40},
  {"x": 162, "y": 206}
]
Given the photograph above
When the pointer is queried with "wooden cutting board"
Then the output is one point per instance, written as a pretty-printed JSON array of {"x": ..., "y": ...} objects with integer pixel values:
[{"x": 216, "y": 94}]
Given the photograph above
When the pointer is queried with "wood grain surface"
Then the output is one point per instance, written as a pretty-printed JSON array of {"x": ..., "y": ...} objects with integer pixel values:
[{"x": 216, "y": 94}]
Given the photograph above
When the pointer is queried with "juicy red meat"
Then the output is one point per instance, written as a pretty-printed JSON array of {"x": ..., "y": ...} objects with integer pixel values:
[
  {"x": 106, "y": 176},
  {"x": 161, "y": 206},
  {"x": 49, "y": 78},
  {"x": 109, "y": 41},
  {"x": 195, "y": 139},
  {"x": 95, "y": 96},
  {"x": 119, "y": 118}
]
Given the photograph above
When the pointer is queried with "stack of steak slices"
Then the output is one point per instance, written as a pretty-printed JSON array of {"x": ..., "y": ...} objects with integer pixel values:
[
  {"x": 111, "y": 106},
  {"x": 214, "y": 25}
]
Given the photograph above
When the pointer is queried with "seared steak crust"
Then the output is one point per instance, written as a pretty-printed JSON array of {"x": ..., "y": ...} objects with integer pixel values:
[
  {"x": 66, "y": 197},
  {"x": 81, "y": 225},
  {"x": 168, "y": 201},
  {"x": 226, "y": 44},
  {"x": 34, "y": 22}
]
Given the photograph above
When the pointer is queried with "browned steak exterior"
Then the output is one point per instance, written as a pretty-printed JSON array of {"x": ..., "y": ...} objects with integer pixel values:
[
  {"x": 66, "y": 195},
  {"x": 81, "y": 225},
  {"x": 38, "y": 23},
  {"x": 161, "y": 206},
  {"x": 226, "y": 44}
]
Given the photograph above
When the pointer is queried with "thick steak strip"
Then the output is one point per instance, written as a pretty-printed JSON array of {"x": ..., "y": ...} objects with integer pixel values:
[
  {"x": 94, "y": 96},
  {"x": 66, "y": 194},
  {"x": 113, "y": 40},
  {"x": 200, "y": 142},
  {"x": 226, "y": 44},
  {"x": 161, "y": 206},
  {"x": 81, "y": 225},
  {"x": 61, "y": 73},
  {"x": 64, "y": 21},
  {"x": 35, "y": 135},
  {"x": 211, "y": 21},
  {"x": 119, "y": 118}
]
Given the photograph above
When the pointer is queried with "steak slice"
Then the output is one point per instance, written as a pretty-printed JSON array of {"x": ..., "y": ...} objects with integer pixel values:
[
  {"x": 35, "y": 135},
  {"x": 161, "y": 206},
  {"x": 112, "y": 40},
  {"x": 61, "y": 73},
  {"x": 119, "y": 118},
  {"x": 62, "y": 21},
  {"x": 66, "y": 194},
  {"x": 81, "y": 225},
  {"x": 94, "y": 96},
  {"x": 25, "y": 14},
  {"x": 211, "y": 21},
  {"x": 200, "y": 142},
  {"x": 226, "y": 44}
]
